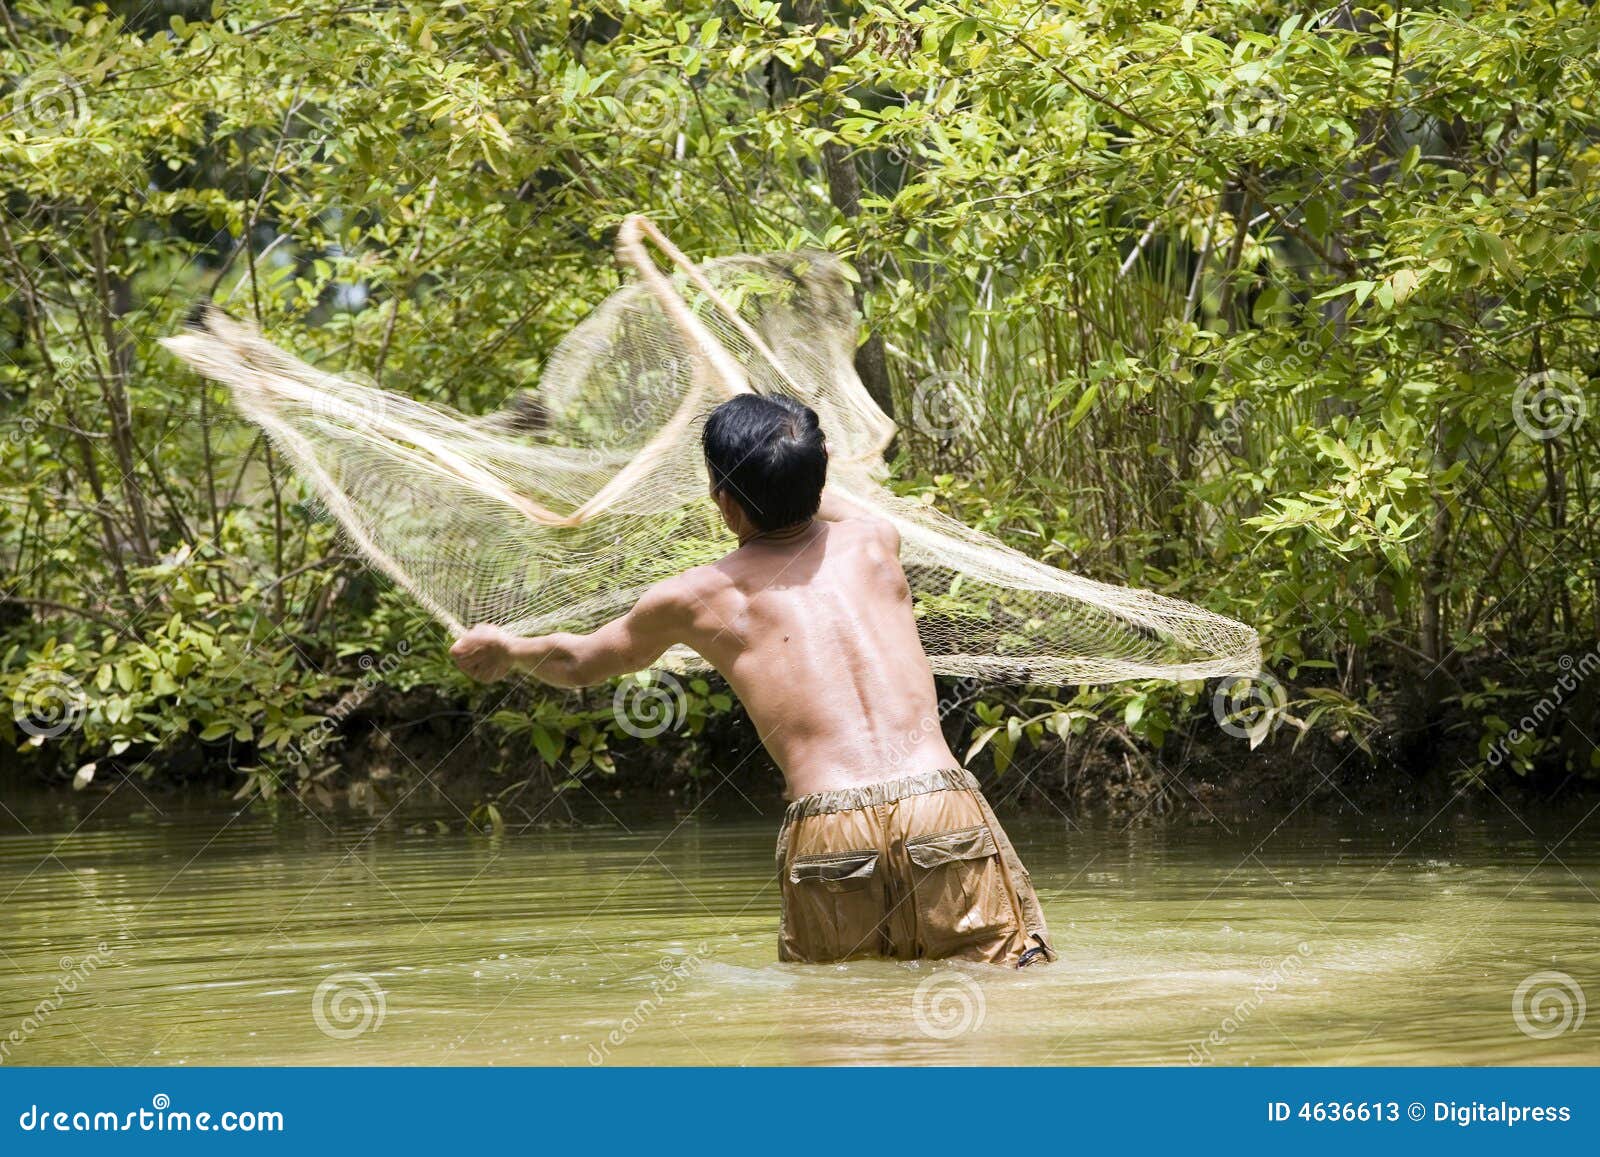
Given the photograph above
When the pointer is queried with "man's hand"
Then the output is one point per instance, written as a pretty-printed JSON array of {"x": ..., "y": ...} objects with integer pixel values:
[
  {"x": 485, "y": 652},
  {"x": 629, "y": 643}
]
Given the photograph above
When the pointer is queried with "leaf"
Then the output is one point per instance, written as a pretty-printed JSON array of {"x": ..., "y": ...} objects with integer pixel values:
[
  {"x": 1134, "y": 711},
  {"x": 1084, "y": 404},
  {"x": 546, "y": 744},
  {"x": 1002, "y": 755},
  {"x": 1259, "y": 728},
  {"x": 980, "y": 740},
  {"x": 959, "y": 31},
  {"x": 1316, "y": 216}
]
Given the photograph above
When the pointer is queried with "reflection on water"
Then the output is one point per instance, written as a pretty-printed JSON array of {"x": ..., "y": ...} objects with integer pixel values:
[{"x": 242, "y": 938}]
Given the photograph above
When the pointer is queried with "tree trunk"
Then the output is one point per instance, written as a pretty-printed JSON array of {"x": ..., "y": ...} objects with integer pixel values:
[{"x": 844, "y": 191}]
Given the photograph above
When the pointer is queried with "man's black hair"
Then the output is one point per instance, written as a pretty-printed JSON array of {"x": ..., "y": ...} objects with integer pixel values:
[{"x": 767, "y": 452}]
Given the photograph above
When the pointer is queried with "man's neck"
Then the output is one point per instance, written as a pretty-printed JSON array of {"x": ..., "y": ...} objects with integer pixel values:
[{"x": 780, "y": 534}]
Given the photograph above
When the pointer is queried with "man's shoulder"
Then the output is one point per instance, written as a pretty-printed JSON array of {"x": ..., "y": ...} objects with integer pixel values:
[
  {"x": 688, "y": 589},
  {"x": 873, "y": 526}
]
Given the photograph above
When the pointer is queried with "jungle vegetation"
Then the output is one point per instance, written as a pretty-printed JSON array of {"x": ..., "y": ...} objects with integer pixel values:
[{"x": 1290, "y": 310}]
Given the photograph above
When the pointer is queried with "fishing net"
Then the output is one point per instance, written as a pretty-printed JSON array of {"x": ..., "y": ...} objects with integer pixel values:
[{"x": 556, "y": 512}]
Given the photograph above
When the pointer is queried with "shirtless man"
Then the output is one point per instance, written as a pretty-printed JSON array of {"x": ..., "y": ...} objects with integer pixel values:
[{"x": 888, "y": 847}]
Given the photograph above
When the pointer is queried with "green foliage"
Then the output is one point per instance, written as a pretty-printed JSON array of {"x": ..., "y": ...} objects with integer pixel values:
[{"x": 1272, "y": 310}]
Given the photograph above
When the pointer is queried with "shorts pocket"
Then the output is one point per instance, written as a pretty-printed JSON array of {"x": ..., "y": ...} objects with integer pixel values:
[
  {"x": 960, "y": 888},
  {"x": 834, "y": 906},
  {"x": 835, "y": 871}
]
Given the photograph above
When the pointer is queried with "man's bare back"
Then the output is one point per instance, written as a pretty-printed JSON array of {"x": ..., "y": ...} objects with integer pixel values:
[{"x": 815, "y": 634}]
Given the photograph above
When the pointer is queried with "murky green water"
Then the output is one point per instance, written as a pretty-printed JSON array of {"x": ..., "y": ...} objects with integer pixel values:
[{"x": 252, "y": 939}]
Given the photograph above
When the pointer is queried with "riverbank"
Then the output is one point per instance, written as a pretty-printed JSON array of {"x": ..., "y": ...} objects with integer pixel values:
[{"x": 418, "y": 751}]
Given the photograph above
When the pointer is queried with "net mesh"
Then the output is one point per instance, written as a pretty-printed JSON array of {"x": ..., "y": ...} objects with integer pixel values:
[{"x": 557, "y": 512}]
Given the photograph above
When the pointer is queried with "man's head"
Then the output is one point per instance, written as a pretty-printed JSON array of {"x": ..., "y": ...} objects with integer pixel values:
[{"x": 767, "y": 460}]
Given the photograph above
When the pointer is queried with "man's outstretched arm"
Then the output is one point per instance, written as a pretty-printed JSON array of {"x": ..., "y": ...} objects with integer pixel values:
[{"x": 629, "y": 643}]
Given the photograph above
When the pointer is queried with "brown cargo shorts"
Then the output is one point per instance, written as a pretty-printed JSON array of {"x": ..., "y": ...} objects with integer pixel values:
[{"x": 912, "y": 868}]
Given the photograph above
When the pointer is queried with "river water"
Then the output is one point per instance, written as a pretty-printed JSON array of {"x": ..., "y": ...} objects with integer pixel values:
[{"x": 176, "y": 934}]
